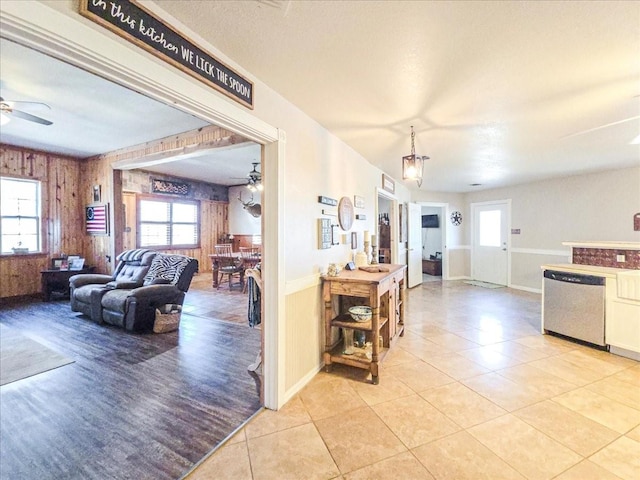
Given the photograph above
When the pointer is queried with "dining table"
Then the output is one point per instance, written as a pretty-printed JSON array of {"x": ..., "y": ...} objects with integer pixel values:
[{"x": 247, "y": 262}]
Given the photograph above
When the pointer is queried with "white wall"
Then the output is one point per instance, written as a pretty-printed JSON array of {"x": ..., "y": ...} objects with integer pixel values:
[
  {"x": 595, "y": 206},
  {"x": 240, "y": 221}
]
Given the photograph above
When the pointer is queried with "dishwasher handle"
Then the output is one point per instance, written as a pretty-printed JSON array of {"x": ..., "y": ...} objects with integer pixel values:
[{"x": 574, "y": 278}]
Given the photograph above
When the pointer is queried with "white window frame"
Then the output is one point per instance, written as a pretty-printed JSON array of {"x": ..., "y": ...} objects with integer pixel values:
[
  {"x": 170, "y": 223},
  {"x": 6, "y": 249}
]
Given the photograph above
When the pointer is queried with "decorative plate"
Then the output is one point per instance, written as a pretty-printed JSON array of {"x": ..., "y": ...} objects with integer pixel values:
[
  {"x": 345, "y": 213},
  {"x": 456, "y": 218}
]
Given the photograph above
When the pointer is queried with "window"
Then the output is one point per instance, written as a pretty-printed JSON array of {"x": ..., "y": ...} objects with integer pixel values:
[
  {"x": 19, "y": 215},
  {"x": 168, "y": 223},
  {"x": 490, "y": 228}
]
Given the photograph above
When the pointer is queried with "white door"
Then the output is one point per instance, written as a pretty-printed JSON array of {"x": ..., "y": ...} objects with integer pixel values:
[
  {"x": 490, "y": 255},
  {"x": 414, "y": 245}
]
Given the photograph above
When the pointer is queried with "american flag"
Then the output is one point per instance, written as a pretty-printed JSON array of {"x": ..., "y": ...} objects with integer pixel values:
[{"x": 96, "y": 217}]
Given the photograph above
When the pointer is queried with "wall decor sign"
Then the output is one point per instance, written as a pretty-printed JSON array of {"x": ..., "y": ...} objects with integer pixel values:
[
  {"x": 325, "y": 233},
  {"x": 388, "y": 184},
  {"x": 97, "y": 219},
  {"x": 358, "y": 201},
  {"x": 361, "y": 216},
  {"x": 166, "y": 186},
  {"x": 138, "y": 25},
  {"x": 327, "y": 201}
]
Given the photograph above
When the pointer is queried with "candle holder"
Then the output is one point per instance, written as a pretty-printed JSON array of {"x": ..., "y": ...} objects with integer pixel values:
[
  {"x": 374, "y": 255},
  {"x": 367, "y": 250}
]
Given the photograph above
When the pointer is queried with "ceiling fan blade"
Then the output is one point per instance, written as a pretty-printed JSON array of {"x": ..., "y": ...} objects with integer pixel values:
[
  {"x": 28, "y": 116},
  {"x": 20, "y": 103}
]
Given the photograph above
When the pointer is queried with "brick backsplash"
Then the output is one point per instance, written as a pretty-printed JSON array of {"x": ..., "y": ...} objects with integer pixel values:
[{"x": 606, "y": 257}]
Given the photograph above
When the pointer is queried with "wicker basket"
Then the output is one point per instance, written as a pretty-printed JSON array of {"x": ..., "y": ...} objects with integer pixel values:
[{"x": 167, "y": 318}]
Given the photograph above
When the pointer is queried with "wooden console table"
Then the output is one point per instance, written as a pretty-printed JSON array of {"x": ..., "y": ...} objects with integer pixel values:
[
  {"x": 384, "y": 292},
  {"x": 58, "y": 281}
]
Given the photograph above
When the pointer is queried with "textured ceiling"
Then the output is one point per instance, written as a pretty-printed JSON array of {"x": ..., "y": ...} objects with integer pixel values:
[{"x": 499, "y": 93}]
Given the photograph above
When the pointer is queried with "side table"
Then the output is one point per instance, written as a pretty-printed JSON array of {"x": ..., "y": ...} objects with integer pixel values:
[{"x": 58, "y": 281}]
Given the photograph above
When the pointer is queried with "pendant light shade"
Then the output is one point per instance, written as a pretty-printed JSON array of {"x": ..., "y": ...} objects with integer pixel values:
[{"x": 413, "y": 165}]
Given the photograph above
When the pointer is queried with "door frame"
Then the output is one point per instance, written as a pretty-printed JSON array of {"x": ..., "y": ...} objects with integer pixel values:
[
  {"x": 473, "y": 207},
  {"x": 71, "y": 39},
  {"x": 445, "y": 227},
  {"x": 394, "y": 230}
]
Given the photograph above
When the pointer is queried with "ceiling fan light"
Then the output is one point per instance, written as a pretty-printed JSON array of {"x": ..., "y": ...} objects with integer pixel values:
[{"x": 259, "y": 187}]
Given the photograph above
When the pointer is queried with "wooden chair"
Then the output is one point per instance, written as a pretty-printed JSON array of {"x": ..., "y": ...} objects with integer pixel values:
[
  {"x": 250, "y": 258},
  {"x": 230, "y": 265}
]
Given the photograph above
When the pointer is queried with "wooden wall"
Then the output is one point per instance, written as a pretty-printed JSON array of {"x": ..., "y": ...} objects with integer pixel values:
[
  {"x": 213, "y": 224},
  {"x": 62, "y": 218},
  {"x": 67, "y": 187}
]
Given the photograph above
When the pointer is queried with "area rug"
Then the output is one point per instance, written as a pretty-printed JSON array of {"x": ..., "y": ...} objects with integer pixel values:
[
  {"x": 483, "y": 284},
  {"x": 21, "y": 357}
]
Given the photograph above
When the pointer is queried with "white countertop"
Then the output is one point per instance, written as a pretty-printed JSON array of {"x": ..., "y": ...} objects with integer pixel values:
[
  {"x": 611, "y": 245},
  {"x": 585, "y": 269}
]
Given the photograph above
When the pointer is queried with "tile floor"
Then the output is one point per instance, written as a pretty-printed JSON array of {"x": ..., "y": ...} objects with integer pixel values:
[{"x": 472, "y": 391}]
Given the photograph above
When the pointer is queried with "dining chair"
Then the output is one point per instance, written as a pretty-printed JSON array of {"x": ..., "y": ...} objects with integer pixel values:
[
  {"x": 229, "y": 264},
  {"x": 250, "y": 258}
]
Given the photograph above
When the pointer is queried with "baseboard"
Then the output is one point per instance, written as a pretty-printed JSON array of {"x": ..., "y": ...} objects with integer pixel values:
[
  {"x": 526, "y": 289},
  {"x": 300, "y": 384}
]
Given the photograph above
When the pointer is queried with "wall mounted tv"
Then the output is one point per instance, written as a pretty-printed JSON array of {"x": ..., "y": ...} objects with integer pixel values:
[{"x": 430, "y": 221}]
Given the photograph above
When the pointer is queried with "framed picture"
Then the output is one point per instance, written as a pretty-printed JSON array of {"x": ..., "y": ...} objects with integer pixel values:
[
  {"x": 97, "y": 219},
  {"x": 76, "y": 263},
  {"x": 56, "y": 263},
  {"x": 388, "y": 184},
  {"x": 354, "y": 240},
  {"x": 358, "y": 201}
]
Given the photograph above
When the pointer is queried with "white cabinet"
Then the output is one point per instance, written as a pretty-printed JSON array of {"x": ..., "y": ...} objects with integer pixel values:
[{"x": 622, "y": 322}]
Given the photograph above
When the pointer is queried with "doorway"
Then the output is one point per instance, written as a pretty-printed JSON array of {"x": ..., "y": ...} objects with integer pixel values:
[
  {"x": 433, "y": 241},
  {"x": 387, "y": 228},
  {"x": 490, "y": 241}
]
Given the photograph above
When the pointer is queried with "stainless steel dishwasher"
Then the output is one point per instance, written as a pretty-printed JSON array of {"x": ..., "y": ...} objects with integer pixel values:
[{"x": 574, "y": 306}]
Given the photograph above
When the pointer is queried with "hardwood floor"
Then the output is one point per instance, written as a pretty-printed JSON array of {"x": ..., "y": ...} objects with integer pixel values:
[{"x": 131, "y": 406}]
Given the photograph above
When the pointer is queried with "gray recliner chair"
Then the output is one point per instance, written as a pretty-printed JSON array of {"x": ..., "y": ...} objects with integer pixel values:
[
  {"x": 87, "y": 289},
  {"x": 130, "y": 300},
  {"x": 166, "y": 282}
]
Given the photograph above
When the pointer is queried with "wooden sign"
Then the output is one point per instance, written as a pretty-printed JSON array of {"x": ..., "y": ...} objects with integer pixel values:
[
  {"x": 136, "y": 24},
  {"x": 166, "y": 186},
  {"x": 327, "y": 201}
]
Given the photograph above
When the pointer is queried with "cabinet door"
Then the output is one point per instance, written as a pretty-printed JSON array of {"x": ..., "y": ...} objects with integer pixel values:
[{"x": 623, "y": 325}]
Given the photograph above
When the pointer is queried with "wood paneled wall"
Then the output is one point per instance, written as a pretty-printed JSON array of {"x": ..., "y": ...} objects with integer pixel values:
[
  {"x": 62, "y": 218},
  {"x": 67, "y": 187}
]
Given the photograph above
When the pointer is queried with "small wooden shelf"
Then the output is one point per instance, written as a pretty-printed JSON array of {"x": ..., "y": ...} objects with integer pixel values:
[
  {"x": 345, "y": 321},
  {"x": 357, "y": 359},
  {"x": 384, "y": 292}
]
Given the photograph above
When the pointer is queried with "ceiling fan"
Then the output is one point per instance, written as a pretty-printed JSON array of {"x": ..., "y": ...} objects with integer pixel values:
[
  {"x": 254, "y": 178},
  {"x": 7, "y": 111}
]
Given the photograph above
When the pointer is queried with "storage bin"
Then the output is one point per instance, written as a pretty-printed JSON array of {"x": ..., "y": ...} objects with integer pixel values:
[{"x": 167, "y": 318}]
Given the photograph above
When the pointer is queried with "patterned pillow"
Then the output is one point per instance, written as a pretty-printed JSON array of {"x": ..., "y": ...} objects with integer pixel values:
[{"x": 166, "y": 267}]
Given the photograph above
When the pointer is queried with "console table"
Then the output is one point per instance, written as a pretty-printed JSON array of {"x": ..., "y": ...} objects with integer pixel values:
[
  {"x": 58, "y": 281},
  {"x": 432, "y": 267},
  {"x": 384, "y": 292}
]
